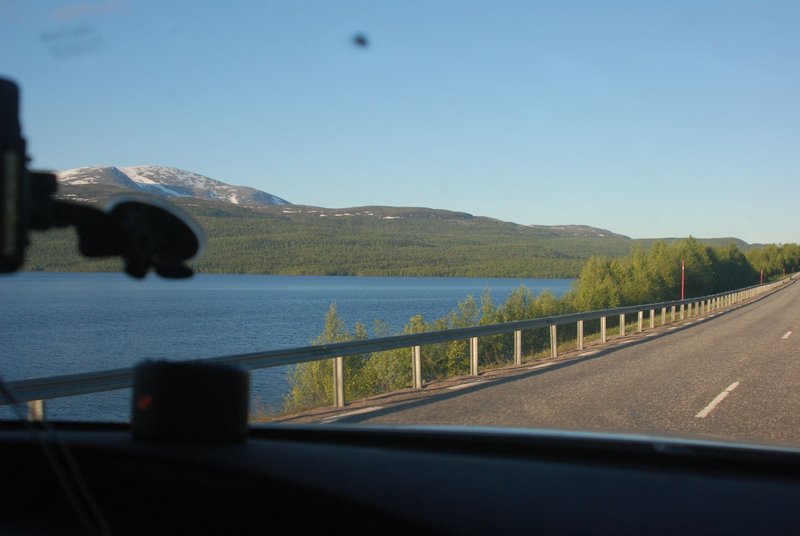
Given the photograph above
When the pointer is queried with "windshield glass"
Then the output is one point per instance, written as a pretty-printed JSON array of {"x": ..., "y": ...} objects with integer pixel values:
[{"x": 389, "y": 171}]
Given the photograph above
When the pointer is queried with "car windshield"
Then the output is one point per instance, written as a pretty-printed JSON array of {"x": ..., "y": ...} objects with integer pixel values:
[{"x": 570, "y": 215}]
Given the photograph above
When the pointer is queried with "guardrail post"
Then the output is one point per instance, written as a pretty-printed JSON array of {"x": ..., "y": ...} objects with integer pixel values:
[
  {"x": 689, "y": 310},
  {"x": 683, "y": 311},
  {"x": 640, "y": 328},
  {"x": 672, "y": 314},
  {"x": 473, "y": 356},
  {"x": 416, "y": 366},
  {"x": 553, "y": 341},
  {"x": 36, "y": 410},
  {"x": 603, "y": 335},
  {"x": 580, "y": 334},
  {"x": 663, "y": 315},
  {"x": 338, "y": 382},
  {"x": 652, "y": 318},
  {"x": 622, "y": 325},
  {"x": 518, "y": 347}
]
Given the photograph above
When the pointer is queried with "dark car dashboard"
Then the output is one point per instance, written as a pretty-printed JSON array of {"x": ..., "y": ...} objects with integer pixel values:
[{"x": 424, "y": 480}]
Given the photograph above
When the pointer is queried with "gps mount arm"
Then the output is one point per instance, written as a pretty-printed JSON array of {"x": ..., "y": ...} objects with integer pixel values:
[{"x": 146, "y": 232}]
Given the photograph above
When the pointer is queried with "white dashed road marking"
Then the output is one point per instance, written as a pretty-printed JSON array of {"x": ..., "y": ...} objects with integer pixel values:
[
  {"x": 786, "y": 335},
  {"x": 720, "y": 397},
  {"x": 463, "y": 386},
  {"x": 351, "y": 413}
]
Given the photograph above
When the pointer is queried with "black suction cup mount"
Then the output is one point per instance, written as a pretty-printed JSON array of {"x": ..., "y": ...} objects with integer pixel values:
[
  {"x": 145, "y": 231},
  {"x": 154, "y": 235}
]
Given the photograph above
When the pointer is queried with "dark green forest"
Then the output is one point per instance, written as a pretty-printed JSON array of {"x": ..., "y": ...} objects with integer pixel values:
[
  {"x": 374, "y": 241},
  {"x": 418, "y": 242}
]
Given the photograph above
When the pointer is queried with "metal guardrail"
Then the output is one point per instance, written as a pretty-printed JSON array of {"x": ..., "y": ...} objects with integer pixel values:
[{"x": 35, "y": 391}]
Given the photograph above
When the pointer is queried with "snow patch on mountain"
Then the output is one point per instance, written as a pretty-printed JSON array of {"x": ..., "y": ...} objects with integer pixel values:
[{"x": 168, "y": 182}]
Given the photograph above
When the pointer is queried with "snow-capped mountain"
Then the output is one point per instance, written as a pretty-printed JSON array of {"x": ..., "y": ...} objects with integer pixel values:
[{"x": 167, "y": 182}]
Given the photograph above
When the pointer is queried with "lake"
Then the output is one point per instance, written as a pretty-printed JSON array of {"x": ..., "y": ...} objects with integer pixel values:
[{"x": 64, "y": 323}]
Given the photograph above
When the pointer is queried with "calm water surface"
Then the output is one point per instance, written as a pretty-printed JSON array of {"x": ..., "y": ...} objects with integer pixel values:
[{"x": 55, "y": 323}]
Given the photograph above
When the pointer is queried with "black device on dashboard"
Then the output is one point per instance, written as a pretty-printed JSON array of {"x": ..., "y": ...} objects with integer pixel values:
[
  {"x": 13, "y": 183},
  {"x": 145, "y": 232}
]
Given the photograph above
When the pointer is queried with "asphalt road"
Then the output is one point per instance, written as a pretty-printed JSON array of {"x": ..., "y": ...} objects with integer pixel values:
[{"x": 735, "y": 375}]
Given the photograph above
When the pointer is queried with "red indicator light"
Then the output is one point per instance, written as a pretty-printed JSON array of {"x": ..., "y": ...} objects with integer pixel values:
[{"x": 145, "y": 402}]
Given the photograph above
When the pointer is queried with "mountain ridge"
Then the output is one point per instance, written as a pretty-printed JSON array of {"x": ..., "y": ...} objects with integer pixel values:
[
  {"x": 372, "y": 240},
  {"x": 97, "y": 183}
]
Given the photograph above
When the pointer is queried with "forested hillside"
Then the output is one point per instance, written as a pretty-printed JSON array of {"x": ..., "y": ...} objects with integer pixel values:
[{"x": 358, "y": 241}]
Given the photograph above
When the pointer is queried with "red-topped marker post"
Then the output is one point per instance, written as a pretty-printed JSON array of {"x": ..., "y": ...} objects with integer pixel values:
[{"x": 683, "y": 279}]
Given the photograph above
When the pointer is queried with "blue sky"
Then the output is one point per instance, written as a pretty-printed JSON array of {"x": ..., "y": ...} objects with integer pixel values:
[{"x": 650, "y": 119}]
